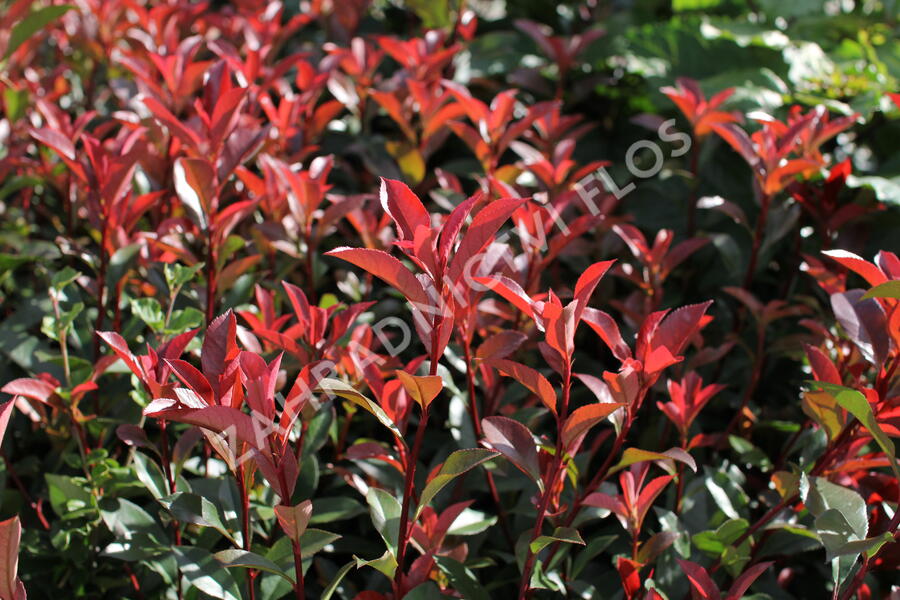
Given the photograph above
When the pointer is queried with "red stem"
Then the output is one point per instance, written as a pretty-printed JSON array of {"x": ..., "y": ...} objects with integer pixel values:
[
  {"x": 757, "y": 239},
  {"x": 549, "y": 484},
  {"x": 299, "y": 588},
  {"x": 247, "y": 529},
  {"x": 211, "y": 277},
  {"x": 863, "y": 569},
  {"x": 476, "y": 426},
  {"x": 412, "y": 458},
  {"x": 695, "y": 181}
]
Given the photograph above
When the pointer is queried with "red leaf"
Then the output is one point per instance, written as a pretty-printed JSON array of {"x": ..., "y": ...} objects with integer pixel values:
[
  {"x": 404, "y": 207},
  {"x": 679, "y": 327},
  {"x": 479, "y": 234},
  {"x": 35, "y": 389},
  {"x": 235, "y": 425},
  {"x": 422, "y": 389},
  {"x": 294, "y": 519},
  {"x": 387, "y": 268},
  {"x": 738, "y": 139},
  {"x": 174, "y": 125},
  {"x": 610, "y": 503},
  {"x": 453, "y": 225},
  {"x": 587, "y": 282},
  {"x": 822, "y": 367},
  {"x": 500, "y": 345},
  {"x": 120, "y": 347},
  {"x": 858, "y": 265},
  {"x": 630, "y": 573},
  {"x": 608, "y": 330},
  {"x": 193, "y": 378},
  {"x": 509, "y": 289},
  {"x": 865, "y": 323},
  {"x": 219, "y": 348},
  {"x": 702, "y": 584},
  {"x": 582, "y": 419},
  {"x": 528, "y": 377},
  {"x": 513, "y": 440},
  {"x": 742, "y": 583},
  {"x": 10, "y": 534},
  {"x": 195, "y": 186},
  {"x": 6, "y": 410}
]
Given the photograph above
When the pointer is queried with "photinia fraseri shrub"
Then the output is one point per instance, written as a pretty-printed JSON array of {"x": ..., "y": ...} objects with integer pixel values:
[{"x": 398, "y": 223}]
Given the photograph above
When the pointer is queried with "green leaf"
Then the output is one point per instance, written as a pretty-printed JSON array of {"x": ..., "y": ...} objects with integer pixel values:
[
  {"x": 385, "y": 564},
  {"x": 8, "y": 262},
  {"x": 31, "y": 24},
  {"x": 566, "y": 535},
  {"x": 177, "y": 275},
  {"x": 184, "y": 319},
  {"x": 70, "y": 497},
  {"x": 425, "y": 591},
  {"x": 195, "y": 509},
  {"x": 456, "y": 464},
  {"x": 149, "y": 311},
  {"x": 150, "y": 475},
  {"x": 462, "y": 579},
  {"x": 669, "y": 521},
  {"x": 138, "y": 535},
  {"x": 725, "y": 488},
  {"x": 205, "y": 573},
  {"x": 593, "y": 548},
  {"x": 249, "y": 560},
  {"x": 385, "y": 511},
  {"x": 16, "y": 101},
  {"x": 435, "y": 14},
  {"x": 336, "y": 580},
  {"x": 314, "y": 540},
  {"x": 826, "y": 501},
  {"x": 635, "y": 455},
  {"x": 120, "y": 263},
  {"x": 337, "y": 508},
  {"x": 856, "y": 404},
  {"x": 716, "y": 542},
  {"x": 888, "y": 289},
  {"x": 686, "y": 5},
  {"x": 835, "y": 532},
  {"x": 471, "y": 522},
  {"x": 337, "y": 387}
]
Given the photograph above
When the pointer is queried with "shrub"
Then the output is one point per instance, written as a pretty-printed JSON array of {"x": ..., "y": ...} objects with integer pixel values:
[{"x": 431, "y": 299}]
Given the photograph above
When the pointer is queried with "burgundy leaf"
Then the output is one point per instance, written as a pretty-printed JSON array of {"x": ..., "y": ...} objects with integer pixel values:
[{"x": 513, "y": 440}]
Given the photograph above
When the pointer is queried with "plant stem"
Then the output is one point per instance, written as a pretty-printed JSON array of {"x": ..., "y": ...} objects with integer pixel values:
[
  {"x": 408, "y": 486},
  {"x": 476, "y": 426},
  {"x": 170, "y": 479},
  {"x": 413, "y": 458},
  {"x": 758, "y": 362},
  {"x": 863, "y": 569},
  {"x": 299, "y": 589},
  {"x": 695, "y": 184},
  {"x": 549, "y": 485},
  {"x": 768, "y": 516},
  {"x": 757, "y": 239},
  {"x": 23, "y": 490},
  {"x": 598, "y": 478},
  {"x": 211, "y": 276},
  {"x": 247, "y": 530}
]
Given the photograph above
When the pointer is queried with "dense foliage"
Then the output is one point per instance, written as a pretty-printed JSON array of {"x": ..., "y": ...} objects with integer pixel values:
[{"x": 502, "y": 298}]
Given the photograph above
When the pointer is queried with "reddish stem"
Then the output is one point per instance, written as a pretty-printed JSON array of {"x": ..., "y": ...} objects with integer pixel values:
[
  {"x": 412, "y": 458},
  {"x": 757, "y": 239},
  {"x": 476, "y": 426},
  {"x": 549, "y": 484},
  {"x": 247, "y": 529}
]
